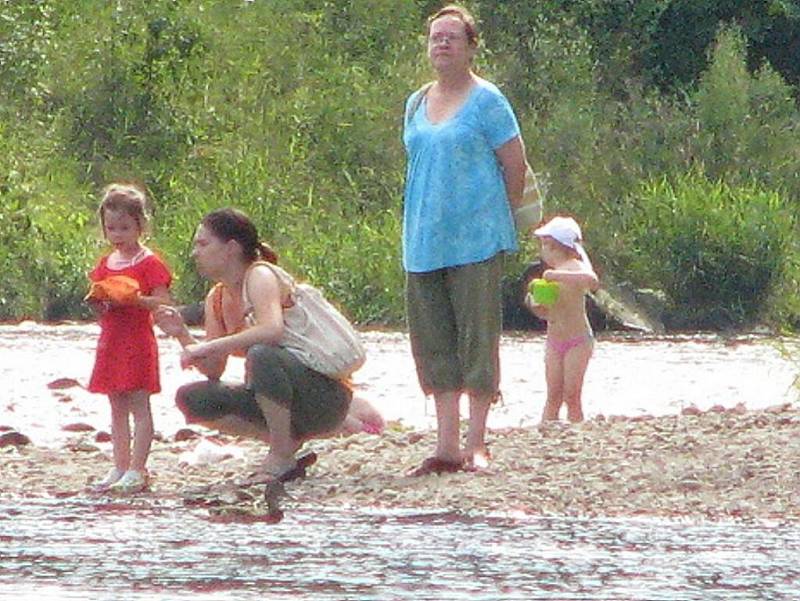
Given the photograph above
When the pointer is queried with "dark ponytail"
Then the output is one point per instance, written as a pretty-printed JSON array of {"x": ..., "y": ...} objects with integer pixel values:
[
  {"x": 267, "y": 254},
  {"x": 232, "y": 224}
]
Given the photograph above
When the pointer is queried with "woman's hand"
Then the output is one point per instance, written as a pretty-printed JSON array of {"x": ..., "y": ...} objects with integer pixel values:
[
  {"x": 170, "y": 321},
  {"x": 196, "y": 353}
]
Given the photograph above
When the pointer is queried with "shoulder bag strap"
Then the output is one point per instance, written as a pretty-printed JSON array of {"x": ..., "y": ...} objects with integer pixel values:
[
  {"x": 423, "y": 91},
  {"x": 216, "y": 303},
  {"x": 285, "y": 281}
]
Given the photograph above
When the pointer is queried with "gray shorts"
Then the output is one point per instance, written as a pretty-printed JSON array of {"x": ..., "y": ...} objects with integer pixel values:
[
  {"x": 454, "y": 323},
  {"x": 318, "y": 404}
]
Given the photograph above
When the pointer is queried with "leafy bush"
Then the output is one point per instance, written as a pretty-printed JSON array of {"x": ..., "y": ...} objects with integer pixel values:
[
  {"x": 121, "y": 107},
  {"x": 717, "y": 251},
  {"x": 291, "y": 110},
  {"x": 748, "y": 124}
]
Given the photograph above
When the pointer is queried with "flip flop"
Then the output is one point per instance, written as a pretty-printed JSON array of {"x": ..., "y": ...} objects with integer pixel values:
[
  {"x": 299, "y": 469},
  {"x": 274, "y": 489},
  {"x": 434, "y": 465},
  {"x": 293, "y": 473}
]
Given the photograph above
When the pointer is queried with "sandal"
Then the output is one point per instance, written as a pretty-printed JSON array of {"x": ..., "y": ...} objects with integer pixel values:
[
  {"x": 274, "y": 489},
  {"x": 131, "y": 482},
  {"x": 299, "y": 469},
  {"x": 293, "y": 473},
  {"x": 434, "y": 465},
  {"x": 111, "y": 477}
]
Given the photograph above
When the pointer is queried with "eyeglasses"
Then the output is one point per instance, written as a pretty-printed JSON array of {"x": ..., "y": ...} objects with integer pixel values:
[{"x": 445, "y": 38}]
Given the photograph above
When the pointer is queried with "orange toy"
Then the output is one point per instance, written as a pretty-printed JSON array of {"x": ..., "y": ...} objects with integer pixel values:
[{"x": 116, "y": 288}]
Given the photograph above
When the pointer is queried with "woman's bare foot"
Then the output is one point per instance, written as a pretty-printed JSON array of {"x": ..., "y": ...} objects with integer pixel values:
[{"x": 477, "y": 459}]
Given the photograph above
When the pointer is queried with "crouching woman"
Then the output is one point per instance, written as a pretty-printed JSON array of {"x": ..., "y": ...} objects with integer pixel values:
[{"x": 282, "y": 401}]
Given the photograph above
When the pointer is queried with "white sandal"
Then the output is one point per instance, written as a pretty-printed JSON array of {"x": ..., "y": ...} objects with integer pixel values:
[
  {"x": 113, "y": 475},
  {"x": 131, "y": 482}
]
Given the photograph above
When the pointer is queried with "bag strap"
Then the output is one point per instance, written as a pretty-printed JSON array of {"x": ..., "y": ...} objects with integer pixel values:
[
  {"x": 421, "y": 93},
  {"x": 216, "y": 304},
  {"x": 529, "y": 213},
  {"x": 285, "y": 281}
]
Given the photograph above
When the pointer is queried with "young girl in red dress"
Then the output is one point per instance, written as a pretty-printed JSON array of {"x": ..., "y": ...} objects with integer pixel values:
[{"x": 127, "y": 284}]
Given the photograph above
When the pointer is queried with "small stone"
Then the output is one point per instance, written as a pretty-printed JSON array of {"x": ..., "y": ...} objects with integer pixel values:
[
  {"x": 61, "y": 383},
  {"x": 739, "y": 409},
  {"x": 8, "y": 439},
  {"x": 185, "y": 434},
  {"x": 102, "y": 436},
  {"x": 78, "y": 427},
  {"x": 414, "y": 437},
  {"x": 689, "y": 484}
]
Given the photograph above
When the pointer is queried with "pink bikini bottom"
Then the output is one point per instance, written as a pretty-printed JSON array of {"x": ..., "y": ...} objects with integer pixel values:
[{"x": 562, "y": 347}]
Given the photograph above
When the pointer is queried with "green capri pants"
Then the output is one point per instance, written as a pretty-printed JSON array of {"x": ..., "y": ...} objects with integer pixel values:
[
  {"x": 318, "y": 404},
  {"x": 454, "y": 323}
]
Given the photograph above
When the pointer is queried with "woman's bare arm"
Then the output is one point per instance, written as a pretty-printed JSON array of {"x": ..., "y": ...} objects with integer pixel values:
[{"x": 512, "y": 158}]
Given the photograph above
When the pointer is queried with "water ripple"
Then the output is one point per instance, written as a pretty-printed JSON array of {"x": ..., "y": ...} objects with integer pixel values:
[{"x": 81, "y": 549}]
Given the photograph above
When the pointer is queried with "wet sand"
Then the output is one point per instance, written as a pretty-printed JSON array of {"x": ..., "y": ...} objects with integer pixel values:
[{"x": 713, "y": 465}]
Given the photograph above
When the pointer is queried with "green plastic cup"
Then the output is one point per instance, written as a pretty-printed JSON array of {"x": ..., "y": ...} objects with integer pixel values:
[{"x": 543, "y": 292}]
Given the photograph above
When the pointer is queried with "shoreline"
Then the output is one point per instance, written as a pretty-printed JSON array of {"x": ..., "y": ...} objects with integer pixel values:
[{"x": 714, "y": 465}]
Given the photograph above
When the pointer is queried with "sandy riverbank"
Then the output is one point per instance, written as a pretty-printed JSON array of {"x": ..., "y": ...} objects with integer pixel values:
[{"x": 714, "y": 465}]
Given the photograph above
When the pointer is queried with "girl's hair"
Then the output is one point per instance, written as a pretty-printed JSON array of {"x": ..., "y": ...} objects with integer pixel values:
[
  {"x": 127, "y": 198},
  {"x": 232, "y": 224},
  {"x": 461, "y": 13}
]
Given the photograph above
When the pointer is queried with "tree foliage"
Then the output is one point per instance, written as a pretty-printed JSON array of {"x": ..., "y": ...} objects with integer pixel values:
[{"x": 291, "y": 110}]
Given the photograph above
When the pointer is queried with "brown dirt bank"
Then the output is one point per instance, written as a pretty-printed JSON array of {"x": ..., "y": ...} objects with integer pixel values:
[{"x": 714, "y": 465}]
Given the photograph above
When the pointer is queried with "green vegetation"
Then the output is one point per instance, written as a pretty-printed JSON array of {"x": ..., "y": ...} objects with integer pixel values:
[{"x": 668, "y": 127}]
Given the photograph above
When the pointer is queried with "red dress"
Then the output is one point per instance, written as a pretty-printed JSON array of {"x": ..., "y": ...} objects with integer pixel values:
[{"x": 127, "y": 353}]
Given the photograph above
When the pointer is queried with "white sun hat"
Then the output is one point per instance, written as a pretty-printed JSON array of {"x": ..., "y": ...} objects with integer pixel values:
[
  {"x": 566, "y": 231},
  {"x": 562, "y": 229}
]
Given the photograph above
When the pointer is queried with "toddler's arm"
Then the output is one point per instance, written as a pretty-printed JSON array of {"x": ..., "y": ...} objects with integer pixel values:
[
  {"x": 159, "y": 296},
  {"x": 540, "y": 311},
  {"x": 582, "y": 277}
]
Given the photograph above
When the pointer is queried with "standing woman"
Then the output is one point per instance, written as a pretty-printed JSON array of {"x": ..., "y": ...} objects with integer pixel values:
[{"x": 465, "y": 172}]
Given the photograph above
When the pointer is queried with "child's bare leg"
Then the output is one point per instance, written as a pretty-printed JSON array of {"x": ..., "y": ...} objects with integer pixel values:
[
  {"x": 575, "y": 363},
  {"x": 139, "y": 403},
  {"x": 554, "y": 375},
  {"x": 120, "y": 431}
]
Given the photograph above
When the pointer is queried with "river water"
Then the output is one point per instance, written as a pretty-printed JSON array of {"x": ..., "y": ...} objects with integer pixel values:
[
  {"x": 89, "y": 548},
  {"x": 628, "y": 375},
  {"x": 57, "y": 550}
]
